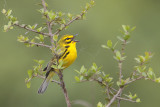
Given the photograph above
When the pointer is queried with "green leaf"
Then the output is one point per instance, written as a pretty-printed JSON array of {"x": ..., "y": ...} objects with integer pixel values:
[
  {"x": 144, "y": 74},
  {"x": 13, "y": 19},
  {"x": 41, "y": 11},
  {"x": 9, "y": 12},
  {"x": 126, "y": 28},
  {"x": 81, "y": 78},
  {"x": 82, "y": 69},
  {"x": 29, "y": 26},
  {"x": 62, "y": 27},
  {"x": 77, "y": 79},
  {"x": 30, "y": 73},
  {"x": 41, "y": 61},
  {"x": 22, "y": 39},
  {"x": 157, "y": 80},
  {"x": 70, "y": 16},
  {"x": 126, "y": 37},
  {"x": 26, "y": 80},
  {"x": 60, "y": 64},
  {"x": 32, "y": 41},
  {"x": 37, "y": 37},
  {"x": 133, "y": 28},
  {"x": 118, "y": 55},
  {"x": 95, "y": 66},
  {"x": 109, "y": 43},
  {"x": 120, "y": 38},
  {"x": 41, "y": 37},
  {"x": 34, "y": 26},
  {"x": 138, "y": 100},
  {"x": 54, "y": 66},
  {"x": 55, "y": 37},
  {"x": 135, "y": 96},
  {"x": 5, "y": 28},
  {"x": 142, "y": 59},
  {"x": 92, "y": 2},
  {"x": 77, "y": 71},
  {"x": 87, "y": 6},
  {"x": 63, "y": 21},
  {"x": 54, "y": 16},
  {"x": 100, "y": 104},
  {"x": 130, "y": 95},
  {"x": 118, "y": 83},
  {"x": 15, "y": 22},
  {"x": 60, "y": 14},
  {"x": 137, "y": 60},
  {"x": 28, "y": 84},
  {"x": 104, "y": 46},
  {"x": 109, "y": 79},
  {"x": 151, "y": 74},
  {"x": 4, "y": 11},
  {"x": 46, "y": 4},
  {"x": 39, "y": 29}
]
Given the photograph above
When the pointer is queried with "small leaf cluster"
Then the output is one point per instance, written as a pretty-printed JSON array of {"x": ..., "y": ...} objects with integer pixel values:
[
  {"x": 141, "y": 71},
  {"x": 58, "y": 65},
  {"x": 119, "y": 54},
  {"x": 126, "y": 32},
  {"x": 36, "y": 71},
  {"x": 11, "y": 18},
  {"x": 94, "y": 73},
  {"x": 133, "y": 97},
  {"x": 53, "y": 17},
  {"x": 87, "y": 7},
  {"x": 61, "y": 18},
  {"x": 58, "y": 19},
  {"x": 100, "y": 104},
  {"x": 144, "y": 70}
]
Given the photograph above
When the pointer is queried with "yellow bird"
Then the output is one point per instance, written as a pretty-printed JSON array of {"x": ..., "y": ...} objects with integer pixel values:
[{"x": 67, "y": 54}]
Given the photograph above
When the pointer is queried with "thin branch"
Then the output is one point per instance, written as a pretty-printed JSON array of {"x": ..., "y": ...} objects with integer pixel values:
[
  {"x": 64, "y": 89},
  {"x": 48, "y": 23},
  {"x": 71, "y": 21},
  {"x": 108, "y": 92},
  {"x": 126, "y": 99},
  {"x": 114, "y": 97},
  {"x": 120, "y": 77},
  {"x": 120, "y": 68},
  {"x": 38, "y": 44},
  {"x": 32, "y": 30},
  {"x": 39, "y": 76},
  {"x": 123, "y": 47},
  {"x": 134, "y": 80}
]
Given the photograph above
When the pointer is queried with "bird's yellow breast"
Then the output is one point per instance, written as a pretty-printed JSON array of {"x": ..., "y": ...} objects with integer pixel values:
[{"x": 70, "y": 54}]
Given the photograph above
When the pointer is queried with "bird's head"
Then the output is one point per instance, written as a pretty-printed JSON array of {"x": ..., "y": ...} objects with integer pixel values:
[{"x": 67, "y": 40}]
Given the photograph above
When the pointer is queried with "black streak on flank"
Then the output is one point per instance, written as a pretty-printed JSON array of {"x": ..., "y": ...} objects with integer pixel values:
[
  {"x": 69, "y": 42},
  {"x": 66, "y": 55},
  {"x": 67, "y": 38},
  {"x": 63, "y": 53},
  {"x": 67, "y": 46}
]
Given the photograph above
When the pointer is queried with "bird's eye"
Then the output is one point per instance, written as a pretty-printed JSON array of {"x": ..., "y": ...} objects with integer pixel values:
[{"x": 67, "y": 38}]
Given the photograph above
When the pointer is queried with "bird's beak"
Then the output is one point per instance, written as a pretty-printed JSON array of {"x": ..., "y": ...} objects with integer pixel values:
[{"x": 74, "y": 38}]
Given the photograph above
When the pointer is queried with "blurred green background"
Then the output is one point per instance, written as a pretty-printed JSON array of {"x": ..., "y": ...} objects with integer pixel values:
[{"x": 103, "y": 22}]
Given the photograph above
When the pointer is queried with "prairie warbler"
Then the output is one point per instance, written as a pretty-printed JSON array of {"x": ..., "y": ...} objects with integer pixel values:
[{"x": 67, "y": 55}]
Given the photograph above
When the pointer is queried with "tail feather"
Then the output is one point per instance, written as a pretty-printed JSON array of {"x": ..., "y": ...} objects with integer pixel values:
[
  {"x": 45, "y": 83},
  {"x": 43, "y": 87}
]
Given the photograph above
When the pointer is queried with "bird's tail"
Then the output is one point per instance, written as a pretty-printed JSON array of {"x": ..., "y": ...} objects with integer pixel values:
[{"x": 45, "y": 83}]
